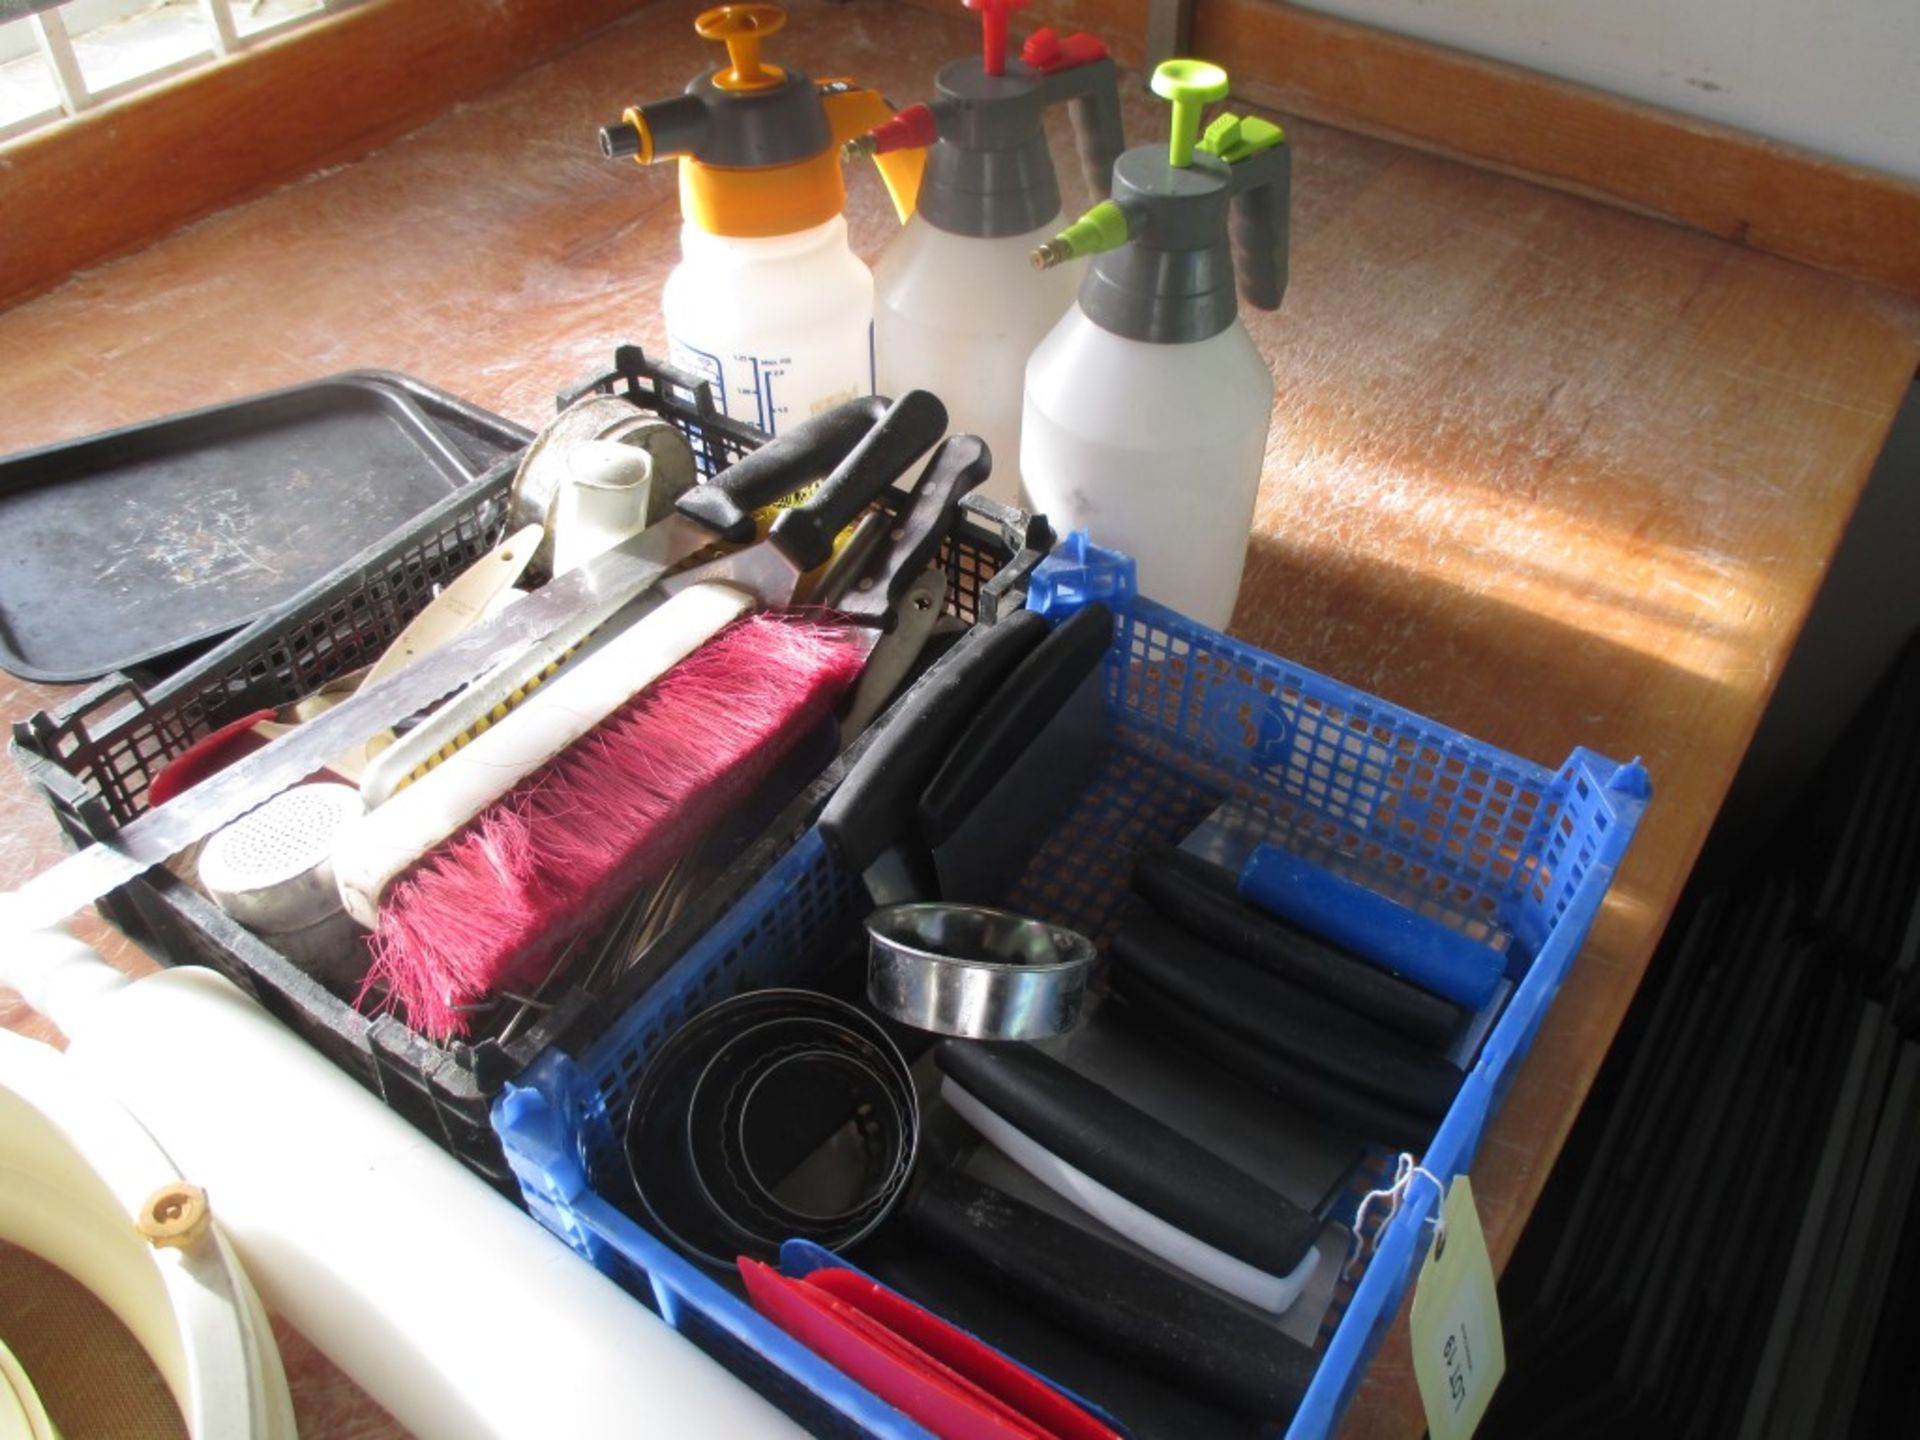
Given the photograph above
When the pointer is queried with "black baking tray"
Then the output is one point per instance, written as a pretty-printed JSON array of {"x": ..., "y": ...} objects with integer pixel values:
[{"x": 134, "y": 545}]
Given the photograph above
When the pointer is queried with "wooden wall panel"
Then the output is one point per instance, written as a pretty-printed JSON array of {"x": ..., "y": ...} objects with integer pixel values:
[
  {"x": 119, "y": 176},
  {"x": 1741, "y": 187}
]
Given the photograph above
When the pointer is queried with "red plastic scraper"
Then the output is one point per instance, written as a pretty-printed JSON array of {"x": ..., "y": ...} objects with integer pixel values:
[{"x": 931, "y": 1371}]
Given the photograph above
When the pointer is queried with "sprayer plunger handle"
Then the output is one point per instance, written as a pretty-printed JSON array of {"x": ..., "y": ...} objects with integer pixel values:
[
  {"x": 741, "y": 28},
  {"x": 1190, "y": 85},
  {"x": 1078, "y": 68},
  {"x": 1262, "y": 168},
  {"x": 994, "y": 15}
]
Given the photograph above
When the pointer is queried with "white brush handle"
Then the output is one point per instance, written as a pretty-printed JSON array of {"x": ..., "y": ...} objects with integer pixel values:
[
  {"x": 471, "y": 710},
  {"x": 1184, "y": 1252},
  {"x": 374, "y": 851}
]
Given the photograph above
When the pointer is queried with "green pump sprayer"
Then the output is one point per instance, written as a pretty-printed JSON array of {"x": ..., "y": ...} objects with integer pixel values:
[{"x": 1146, "y": 411}]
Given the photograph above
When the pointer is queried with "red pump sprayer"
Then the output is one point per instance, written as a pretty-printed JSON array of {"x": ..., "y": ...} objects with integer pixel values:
[{"x": 957, "y": 309}]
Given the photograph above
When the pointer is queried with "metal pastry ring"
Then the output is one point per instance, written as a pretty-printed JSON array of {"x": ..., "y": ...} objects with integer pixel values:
[{"x": 976, "y": 972}]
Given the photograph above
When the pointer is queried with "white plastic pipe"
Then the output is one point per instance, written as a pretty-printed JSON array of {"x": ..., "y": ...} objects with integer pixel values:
[
  {"x": 450, "y": 1307},
  {"x": 604, "y": 500}
]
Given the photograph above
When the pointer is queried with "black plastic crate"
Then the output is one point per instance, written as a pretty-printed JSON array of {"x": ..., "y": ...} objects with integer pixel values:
[{"x": 93, "y": 757}]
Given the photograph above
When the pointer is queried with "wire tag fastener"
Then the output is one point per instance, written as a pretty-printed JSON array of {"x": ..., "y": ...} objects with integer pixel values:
[{"x": 1459, "y": 1354}]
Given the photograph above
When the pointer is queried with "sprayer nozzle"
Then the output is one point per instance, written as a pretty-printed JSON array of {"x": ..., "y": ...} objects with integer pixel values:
[
  {"x": 913, "y": 128},
  {"x": 1104, "y": 227},
  {"x": 1056, "y": 251},
  {"x": 621, "y": 140}
]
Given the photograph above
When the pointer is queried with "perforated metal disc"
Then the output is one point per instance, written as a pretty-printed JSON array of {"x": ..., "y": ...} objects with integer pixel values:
[{"x": 271, "y": 869}]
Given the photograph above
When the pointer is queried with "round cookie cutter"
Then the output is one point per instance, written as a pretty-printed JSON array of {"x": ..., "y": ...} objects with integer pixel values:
[
  {"x": 975, "y": 972},
  {"x": 711, "y": 1128}
]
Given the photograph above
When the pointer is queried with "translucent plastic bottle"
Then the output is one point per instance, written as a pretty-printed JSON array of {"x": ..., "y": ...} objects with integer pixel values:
[
  {"x": 779, "y": 325},
  {"x": 959, "y": 317},
  {"x": 1147, "y": 406},
  {"x": 768, "y": 303},
  {"x": 1154, "y": 450},
  {"x": 958, "y": 308}
]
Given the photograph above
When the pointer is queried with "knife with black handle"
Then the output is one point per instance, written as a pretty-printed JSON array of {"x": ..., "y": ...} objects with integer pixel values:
[
  {"x": 571, "y": 604},
  {"x": 1283, "y": 1018},
  {"x": 1123, "y": 1304},
  {"x": 762, "y": 476},
  {"x": 1201, "y": 898},
  {"x": 1133, "y": 1154}
]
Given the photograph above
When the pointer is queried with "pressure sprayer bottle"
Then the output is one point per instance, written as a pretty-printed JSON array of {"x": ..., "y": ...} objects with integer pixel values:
[
  {"x": 957, "y": 308},
  {"x": 1147, "y": 406},
  {"x": 768, "y": 302}
]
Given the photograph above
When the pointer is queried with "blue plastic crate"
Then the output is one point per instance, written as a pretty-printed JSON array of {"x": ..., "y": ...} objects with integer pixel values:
[{"x": 1507, "y": 852}]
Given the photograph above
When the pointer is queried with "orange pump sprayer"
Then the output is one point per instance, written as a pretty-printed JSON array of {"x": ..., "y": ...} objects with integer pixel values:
[{"x": 769, "y": 303}]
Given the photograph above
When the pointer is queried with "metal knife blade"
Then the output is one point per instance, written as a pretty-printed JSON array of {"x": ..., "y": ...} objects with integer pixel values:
[
  {"x": 895, "y": 652},
  {"x": 602, "y": 586}
]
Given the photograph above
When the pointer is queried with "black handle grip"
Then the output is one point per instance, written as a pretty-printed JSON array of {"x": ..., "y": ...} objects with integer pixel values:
[
  {"x": 1097, "y": 134},
  {"x": 912, "y": 423},
  {"x": 1303, "y": 1090},
  {"x": 874, "y": 806},
  {"x": 1282, "y": 1017},
  {"x": 1260, "y": 233},
  {"x": 1126, "y": 1305},
  {"x": 1133, "y": 1154},
  {"x": 959, "y": 466},
  {"x": 725, "y": 504},
  {"x": 1025, "y": 706},
  {"x": 1092, "y": 93},
  {"x": 1201, "y": 899}
]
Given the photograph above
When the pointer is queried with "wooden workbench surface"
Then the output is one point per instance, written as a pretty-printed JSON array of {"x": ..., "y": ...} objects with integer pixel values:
[{"x": 1553, "y": 474}]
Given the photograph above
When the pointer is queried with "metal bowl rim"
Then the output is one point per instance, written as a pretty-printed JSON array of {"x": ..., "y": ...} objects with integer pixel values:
[{"x": 909, "y": 942}]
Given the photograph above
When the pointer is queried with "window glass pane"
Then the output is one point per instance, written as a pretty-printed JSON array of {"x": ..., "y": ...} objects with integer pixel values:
[
  {"x": 26, "y": 89},
  {"x": 120, "y": 45},
  {"x": 250, "y": 17},
  {"x": 157, "y": 37}
]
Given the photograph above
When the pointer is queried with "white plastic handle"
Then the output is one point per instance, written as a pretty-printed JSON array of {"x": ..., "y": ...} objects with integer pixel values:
[{"x": 1184, "y": 1252}]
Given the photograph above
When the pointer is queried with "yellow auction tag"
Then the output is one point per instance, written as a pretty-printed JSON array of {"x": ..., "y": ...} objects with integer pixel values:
[{"x": 1458, "y": 1353}]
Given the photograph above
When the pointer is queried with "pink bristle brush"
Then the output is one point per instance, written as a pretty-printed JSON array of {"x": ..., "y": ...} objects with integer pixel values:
[
  {"x": 626, "y": 782},
  {"x": 563, "y": 848}
]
